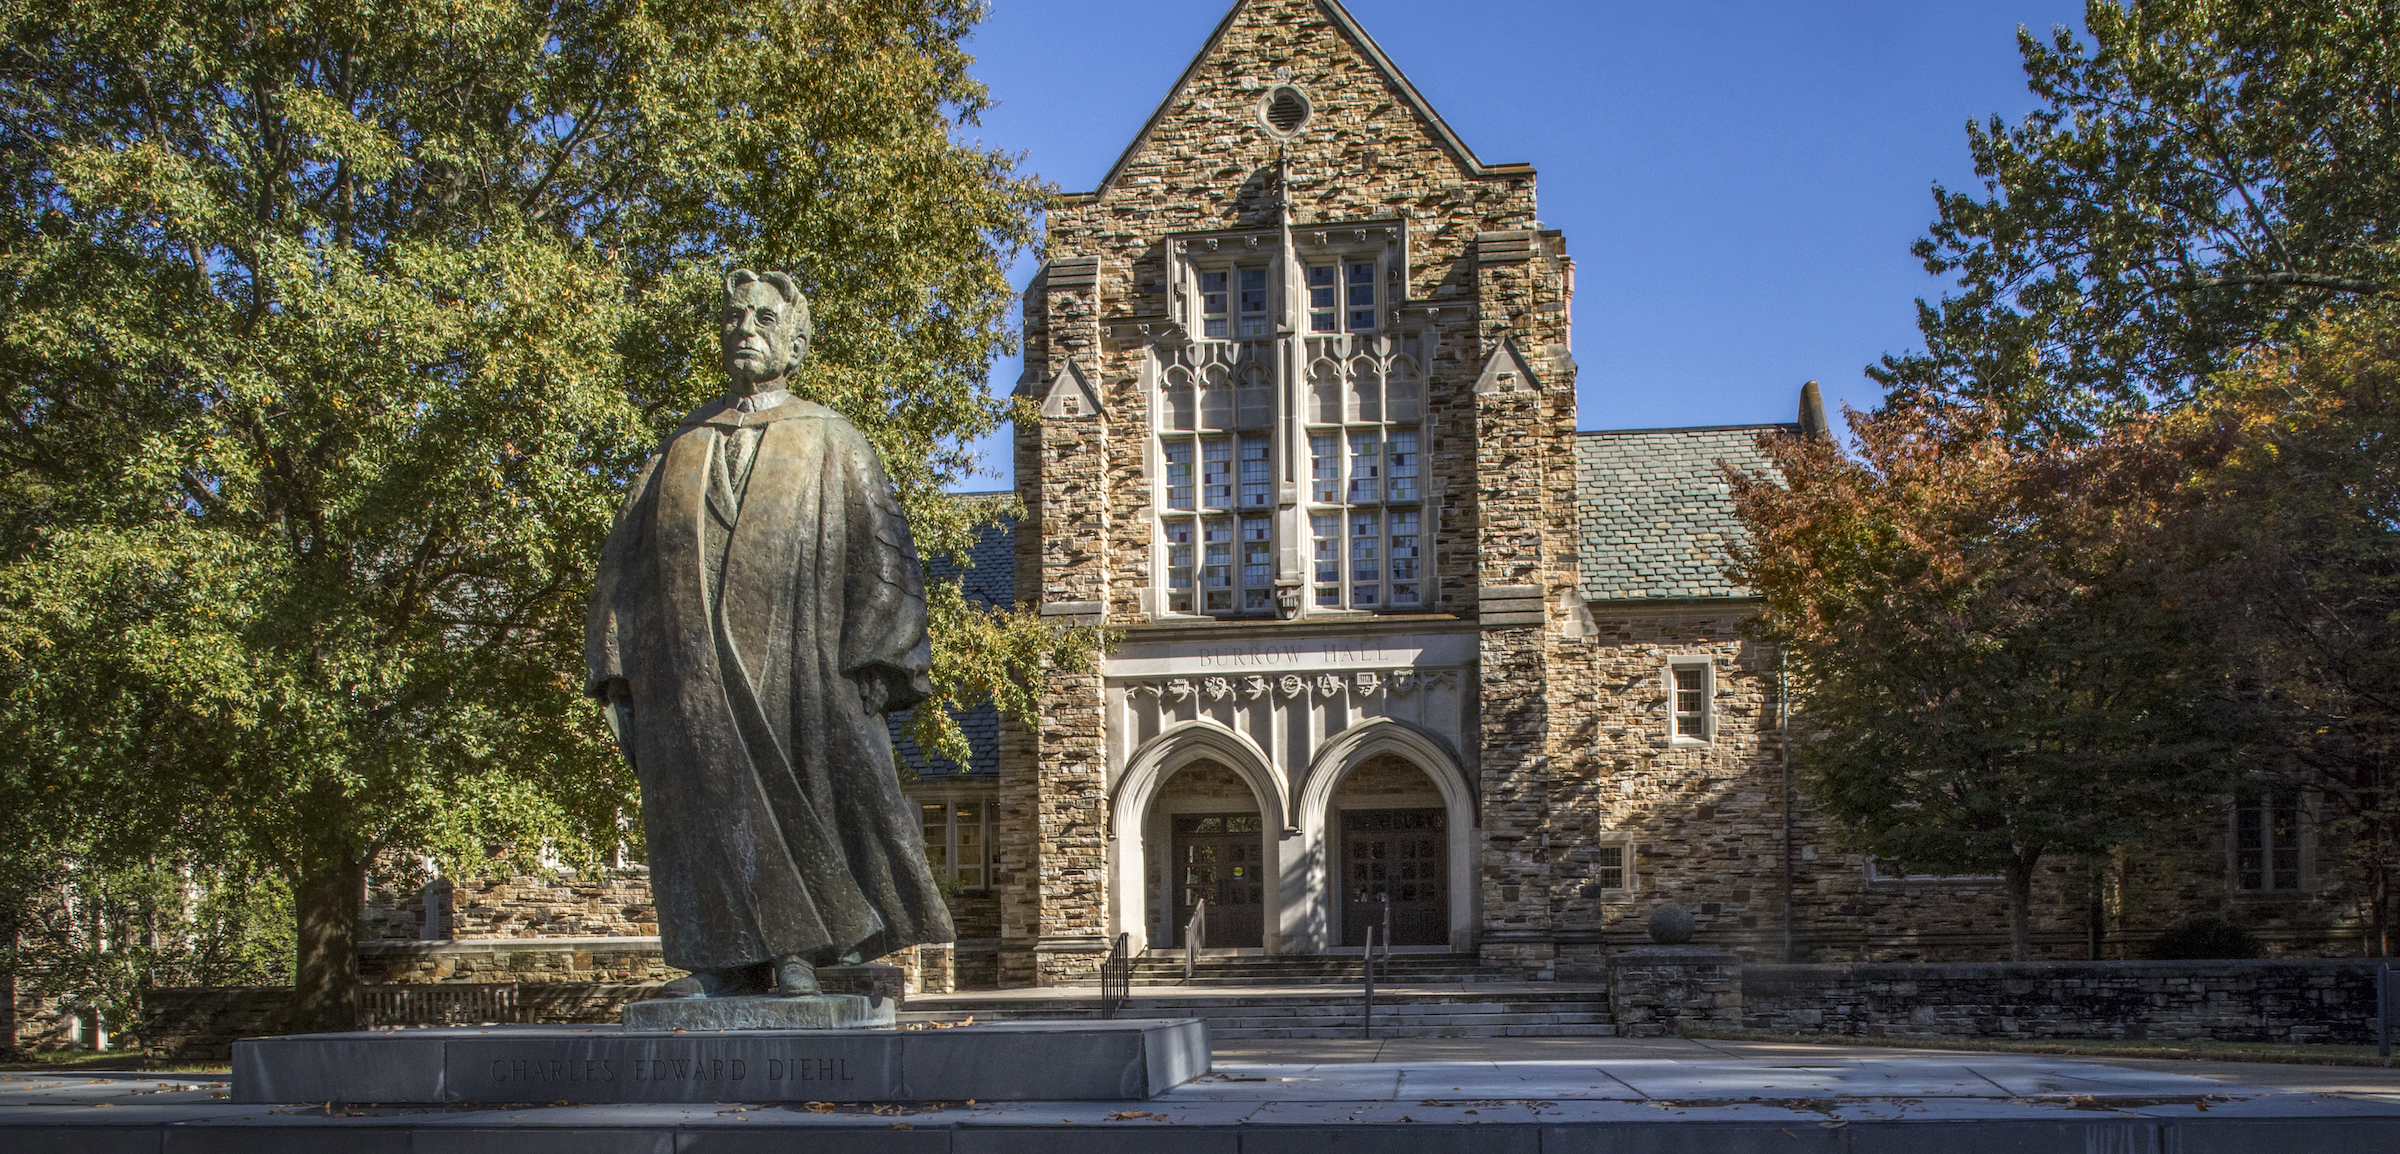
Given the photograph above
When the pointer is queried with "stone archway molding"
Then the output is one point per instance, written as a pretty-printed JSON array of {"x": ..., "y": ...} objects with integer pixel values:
[
  {"x": 1158, "y": 759},
  {"x": 1354, "y": 746},
  {"x": 1137, "y": 790},
  {"x": 1315, "y": 925}
]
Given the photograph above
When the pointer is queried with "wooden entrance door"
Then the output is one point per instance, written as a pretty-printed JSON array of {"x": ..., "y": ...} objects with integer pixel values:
[
  {"x": 1401, "y": 856},
  {"x": 1219, "y": 856}
]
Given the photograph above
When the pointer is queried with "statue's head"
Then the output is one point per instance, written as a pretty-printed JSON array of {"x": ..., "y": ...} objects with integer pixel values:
[{"x": 767, "y": 328}]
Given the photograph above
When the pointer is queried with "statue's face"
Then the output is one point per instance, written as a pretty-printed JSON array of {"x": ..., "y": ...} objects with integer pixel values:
[{"x": 759, "y": 341}]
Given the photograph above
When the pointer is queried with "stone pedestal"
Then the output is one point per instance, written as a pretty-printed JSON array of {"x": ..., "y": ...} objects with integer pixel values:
[
  {"x": 877, "y": 982},
  {"x": 763, "y": 1012},
  {"x": 1660, "y": 991},
  {"x": 1001, "y": 1062}
]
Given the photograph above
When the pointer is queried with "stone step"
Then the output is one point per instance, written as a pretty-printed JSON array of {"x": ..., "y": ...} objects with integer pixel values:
[{"x": 1404, "y": 1031}]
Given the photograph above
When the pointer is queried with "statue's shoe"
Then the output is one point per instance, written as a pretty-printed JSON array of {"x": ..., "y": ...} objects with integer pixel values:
[{"x": 795, "y": 978}]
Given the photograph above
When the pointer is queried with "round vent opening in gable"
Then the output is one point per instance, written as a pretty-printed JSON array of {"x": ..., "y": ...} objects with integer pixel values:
[{"x": 1286, "y": 110}]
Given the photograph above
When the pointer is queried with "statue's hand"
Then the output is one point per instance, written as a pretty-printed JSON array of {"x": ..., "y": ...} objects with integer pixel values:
[{"x": 873, "y": 692}]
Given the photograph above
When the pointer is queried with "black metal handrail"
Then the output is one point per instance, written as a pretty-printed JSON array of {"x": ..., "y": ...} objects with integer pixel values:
[
  {"x": 1116, "y": 977},
  {"x": 1195, "y": 932},
  {"x": 437, "y": 1004}
]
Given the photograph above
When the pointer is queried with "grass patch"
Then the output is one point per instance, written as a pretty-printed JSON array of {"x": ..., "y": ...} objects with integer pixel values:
[
  {"x": 2207, "y": 1051},
  {"x": 104, "y": 1061}
]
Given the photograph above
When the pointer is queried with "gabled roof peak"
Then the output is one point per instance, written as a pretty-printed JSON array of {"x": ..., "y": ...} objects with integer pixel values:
[{"x": 1346, "y": 25}]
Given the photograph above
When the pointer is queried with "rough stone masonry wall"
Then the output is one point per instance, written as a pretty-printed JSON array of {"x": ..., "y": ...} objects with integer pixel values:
[
  {"x": 1707, "y": 820},
  {"x": 608, "y": 903},
  {"x": 2318, "y": 1000}
]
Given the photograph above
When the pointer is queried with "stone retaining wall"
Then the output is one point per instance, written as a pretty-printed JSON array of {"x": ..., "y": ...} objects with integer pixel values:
[
  {"x": 2282, "y": 1000},
  {"x": 200, "y": 1023}
]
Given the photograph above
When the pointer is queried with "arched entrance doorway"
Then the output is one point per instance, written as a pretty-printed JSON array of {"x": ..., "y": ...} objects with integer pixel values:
[
  {"x": 1212, "y": 844},
  {"x": 1391, "y": 835}
]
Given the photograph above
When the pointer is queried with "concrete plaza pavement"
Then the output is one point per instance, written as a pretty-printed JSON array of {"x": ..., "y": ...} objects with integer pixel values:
[{"x": 1468, "y": 1096}]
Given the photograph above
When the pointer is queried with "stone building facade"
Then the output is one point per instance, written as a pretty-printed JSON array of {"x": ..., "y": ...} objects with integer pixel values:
[
  {"x": 1394, "y": 638},
  {"x": 1392, "y": 631}
]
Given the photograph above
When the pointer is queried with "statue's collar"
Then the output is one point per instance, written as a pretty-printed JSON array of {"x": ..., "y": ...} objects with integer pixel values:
[{"x": 752, "y": 411}]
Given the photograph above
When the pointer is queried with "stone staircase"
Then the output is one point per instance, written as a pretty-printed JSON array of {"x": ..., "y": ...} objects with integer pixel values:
[
  {"x": 1334, "y": 1012},
  {"x": 1165, "y": 968},
  {"x": 1245, "y": 997}
]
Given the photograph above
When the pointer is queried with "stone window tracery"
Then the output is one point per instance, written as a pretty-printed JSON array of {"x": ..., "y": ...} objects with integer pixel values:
[{"x": 1319, "y": 486}]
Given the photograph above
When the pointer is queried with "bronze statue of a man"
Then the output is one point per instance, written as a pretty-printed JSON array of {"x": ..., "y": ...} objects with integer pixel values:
[{"x": 758, "y": 610}]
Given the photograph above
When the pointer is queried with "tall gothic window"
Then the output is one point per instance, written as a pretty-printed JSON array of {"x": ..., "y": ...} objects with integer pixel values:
[{"x": 1232, "y": 456}]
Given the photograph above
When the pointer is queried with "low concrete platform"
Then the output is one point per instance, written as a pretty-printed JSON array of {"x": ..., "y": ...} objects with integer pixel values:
[
  {"x": 1004, "y": 1061},
  {"x": 1627, "y": 1097}
]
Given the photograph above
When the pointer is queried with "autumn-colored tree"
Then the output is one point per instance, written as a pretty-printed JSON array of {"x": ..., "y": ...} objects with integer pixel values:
[
  {"x": 329, "y": 336},
  {"x": 2302, "y": 514},
  {"x": 1994, "y": 660}
]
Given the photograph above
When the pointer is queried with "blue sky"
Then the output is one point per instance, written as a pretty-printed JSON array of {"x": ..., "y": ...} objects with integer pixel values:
[{"x": 1738, "y": 181}]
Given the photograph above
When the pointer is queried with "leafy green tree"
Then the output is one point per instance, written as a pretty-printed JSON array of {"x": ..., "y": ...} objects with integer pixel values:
[
  {"x": 330, "y": 334},
  {"x": 1997, "y": 659},
  {"x": 2203, "y": 178}
]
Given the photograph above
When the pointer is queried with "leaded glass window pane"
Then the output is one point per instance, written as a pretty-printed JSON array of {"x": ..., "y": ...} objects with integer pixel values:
[
  {"x": 1324, "y": 468},
  {"x": 1326, "y": 554},
  {"x": 1216, "y": 474},
  {"x": 1400, "y": 457},
  {"x": 1405, "y": 589},
  {"x": 1258, "y": 474},
  {"x": 1212, "y": 304},
  {"x": 1366, "y": 468},
  {"x": 1258, "y": 563},
  {"x": 1216, "y": 566},
  {"x": 1366, "y": 567},
  {"x": 1179, "y": 474},
  {"x": 1254, "y": 302}
]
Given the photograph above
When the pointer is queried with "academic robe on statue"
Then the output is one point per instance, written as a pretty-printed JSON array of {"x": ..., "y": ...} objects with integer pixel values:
[{"x": 758, "y": 581}]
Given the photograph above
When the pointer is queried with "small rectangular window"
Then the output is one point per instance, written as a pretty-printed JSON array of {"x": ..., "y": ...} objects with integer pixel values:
[
  {"x": 2266, "y": 839},
  {"x": 1179, "y": 474},
  {"x": 1400, "y": 456},
  {"x": 1326, "y": 542},
  {"x": 1179, "y": 566},
  {"x": 1254, "y": 302},
  {"x": 1405, "y": 589},
  {"x": 1212, "y": 304},
  {"x": 1258, "y": 474},
  {"x": 937, "y": 837},
  {"x": 1366, "y": 568},
  {"x": 969, "y": 860},
  {"x": 1324, "y": 469},
  {"x": 1216, "y": 474},
  {"x": 1691, "y": 701},
  {"x": 1362, "y": 296},
  {"x": 1366, "y": 468},
  {"x": 1608, "y": 867},
  {"x": 956, "y": 842},
  {"x": 1324, "y": 299}
]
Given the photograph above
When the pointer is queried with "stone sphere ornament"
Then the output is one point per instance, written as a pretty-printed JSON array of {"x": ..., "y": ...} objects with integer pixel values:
[{"x": 1671, "y": 925}]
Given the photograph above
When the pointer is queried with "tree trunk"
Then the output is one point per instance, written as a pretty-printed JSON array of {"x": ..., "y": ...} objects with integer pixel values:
[
  {"x": 326, "y": 974},
  {"x": 2020, "y": 904}
]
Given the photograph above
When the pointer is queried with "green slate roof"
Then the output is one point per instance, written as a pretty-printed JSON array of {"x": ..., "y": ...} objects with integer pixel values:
[{"x": 1654, "y": 512}]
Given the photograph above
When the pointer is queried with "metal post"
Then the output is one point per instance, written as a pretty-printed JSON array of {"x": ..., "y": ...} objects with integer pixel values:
[
  {"x": 2383, "y": 1012},
  {"x": 1369, "y": 958},
  {"x": 1386, "y": 898}
]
